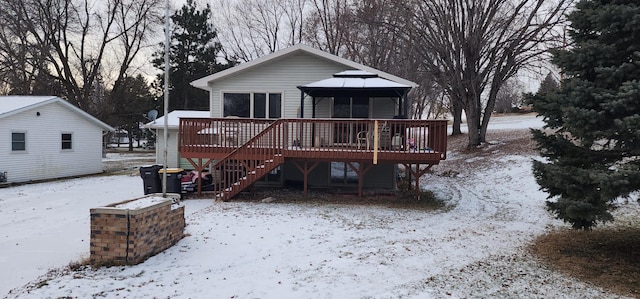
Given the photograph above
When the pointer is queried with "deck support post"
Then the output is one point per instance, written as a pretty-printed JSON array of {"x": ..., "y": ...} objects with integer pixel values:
[
  {"x": 418, "y": 173},
  {"x": 199, "y": 167},
  {"x": 360, "y": 171},
  {"x": 305, "y": 172}
]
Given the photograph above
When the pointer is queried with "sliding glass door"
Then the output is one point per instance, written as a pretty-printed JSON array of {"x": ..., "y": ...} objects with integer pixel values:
[{"x": 349, "y": 108}]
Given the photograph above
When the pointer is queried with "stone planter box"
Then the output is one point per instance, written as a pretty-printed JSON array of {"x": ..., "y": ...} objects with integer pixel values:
[{"x": 128, "y": 232}]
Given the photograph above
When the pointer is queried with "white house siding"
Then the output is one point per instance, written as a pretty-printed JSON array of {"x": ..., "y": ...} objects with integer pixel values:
[
  {"x": 44, "y": 158},
  {"x": 280, "y": 75},
  {"x": 173, "y": 157}
]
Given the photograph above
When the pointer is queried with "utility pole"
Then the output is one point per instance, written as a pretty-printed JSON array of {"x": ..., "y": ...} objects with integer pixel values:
[{"x": 166, "y": 97}]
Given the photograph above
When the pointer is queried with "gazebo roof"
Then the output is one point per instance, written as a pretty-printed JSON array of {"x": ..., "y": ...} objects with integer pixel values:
[{"x": 352, "y": 82}]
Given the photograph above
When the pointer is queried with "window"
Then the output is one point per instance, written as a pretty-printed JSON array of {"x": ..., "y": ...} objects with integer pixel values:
[
  {"x": 345, "y": 107},
  {"x": 275, "y": 102},
  {"x": 66, "y": 141},
  {"x": 341, "y": 173},
  {"x": 237, "y": 104},
  {"x": 18, "y": 141},
  {"x": 260, "y": 105},
  {"x": 253, "y": 105}
]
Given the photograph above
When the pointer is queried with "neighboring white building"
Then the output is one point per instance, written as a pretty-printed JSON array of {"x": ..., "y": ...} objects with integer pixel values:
[
  {"x": 46, "y": 137},
  {"x": 173, "y": 121}
]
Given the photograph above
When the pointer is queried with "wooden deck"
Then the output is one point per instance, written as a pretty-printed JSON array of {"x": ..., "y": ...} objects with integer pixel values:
[{"x": 258, "y": 146}]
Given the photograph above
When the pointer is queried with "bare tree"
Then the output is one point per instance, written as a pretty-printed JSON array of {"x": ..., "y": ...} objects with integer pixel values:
[
  {"x": 472, "y": 47},
  {"x": 429, "y": 101},
  {"x": 21, "y": 63},
  {"x": 369, "y": 37},
  {"x": 253, "y": 28},
  {"x": 70, "y": 41},
  {"x": 326, "y": 26},
  {"x": 137, "y": 23},
  {"x": 363, "y": 31}
]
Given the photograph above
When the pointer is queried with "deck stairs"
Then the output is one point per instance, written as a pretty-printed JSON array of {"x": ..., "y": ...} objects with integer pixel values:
[{"x": 238, "y": 172}]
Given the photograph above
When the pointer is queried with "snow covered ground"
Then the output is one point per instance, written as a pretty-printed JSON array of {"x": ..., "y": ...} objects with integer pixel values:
[{"x": 474, "y": 248}]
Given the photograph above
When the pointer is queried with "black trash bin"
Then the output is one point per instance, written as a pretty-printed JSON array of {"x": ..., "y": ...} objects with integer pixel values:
[
  {"x": 174, "y": 179},
  {"x": 151, "y": 179}
]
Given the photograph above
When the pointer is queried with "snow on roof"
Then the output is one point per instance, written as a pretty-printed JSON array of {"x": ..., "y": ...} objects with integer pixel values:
[
  {"x": 10, "y": 105},
  {"x": 352, "y": 82},
  {"x": 354, "y": 79},
  {"x": 174, "y": 118},
  {"x": 15, "y": 103},
  {"x": 355, "y": 73}
]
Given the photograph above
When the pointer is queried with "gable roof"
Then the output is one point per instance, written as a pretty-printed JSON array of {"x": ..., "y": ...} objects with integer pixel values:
[
  {"x": 173, "y": 120},
  {"x": 202, "y": 83},
  {"x": 10, "y": 105}
]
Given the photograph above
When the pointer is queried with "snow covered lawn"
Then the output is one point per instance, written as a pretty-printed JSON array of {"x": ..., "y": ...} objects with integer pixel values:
[{"x": 474, "y": 248}]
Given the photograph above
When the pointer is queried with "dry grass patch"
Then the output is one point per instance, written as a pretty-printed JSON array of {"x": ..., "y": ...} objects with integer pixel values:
[
  {"x": 609, "y": 258},
  {"x": 390, "y": 199}
]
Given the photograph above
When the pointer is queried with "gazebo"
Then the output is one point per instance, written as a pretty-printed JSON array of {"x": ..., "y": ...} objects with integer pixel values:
[{"x": 356, "y": 83}]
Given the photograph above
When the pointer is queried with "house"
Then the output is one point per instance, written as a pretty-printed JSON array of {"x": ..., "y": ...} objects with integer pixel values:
[
  {"x": 45, "y": 137},
  {"x": 173, "y": 121},
  {"x": 304, "y": 116}
]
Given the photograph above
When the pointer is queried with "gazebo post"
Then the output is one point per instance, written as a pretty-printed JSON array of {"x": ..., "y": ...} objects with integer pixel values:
[
  {"x": 302, "y": 104},
  {"x": 405, "y": 99},
  {"x": 313, "y": 126}
]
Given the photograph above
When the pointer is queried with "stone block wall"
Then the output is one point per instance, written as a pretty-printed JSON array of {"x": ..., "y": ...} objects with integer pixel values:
[{"x": 129, "y": 232}]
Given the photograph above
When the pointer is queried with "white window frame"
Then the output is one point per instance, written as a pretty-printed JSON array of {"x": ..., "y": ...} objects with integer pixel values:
[
  {"x": 62, "y": 141},
  {"x": 252, "y": 102},
  {"x": 25, "y": 142}
]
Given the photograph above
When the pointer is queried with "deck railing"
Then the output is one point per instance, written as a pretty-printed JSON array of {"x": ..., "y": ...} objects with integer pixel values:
[{"x": 323, "y": 139}]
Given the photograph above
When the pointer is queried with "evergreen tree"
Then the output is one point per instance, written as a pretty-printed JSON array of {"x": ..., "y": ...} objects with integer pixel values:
[
  {"x": 592, "y": 145},
  {"x": 549, "y": 84},
  {"x": 193, "y": 54},
  {"x": 131, "y": 102}
]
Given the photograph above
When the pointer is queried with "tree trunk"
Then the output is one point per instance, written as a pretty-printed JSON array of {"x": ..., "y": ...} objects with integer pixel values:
[
  {"x": 472, "y": 111},
  {"x": 490, "y": 107},
  {"x": 484, "y": 125},
  {"x": 130, "y": 136},
  {"x": 457, "y": 117}
]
